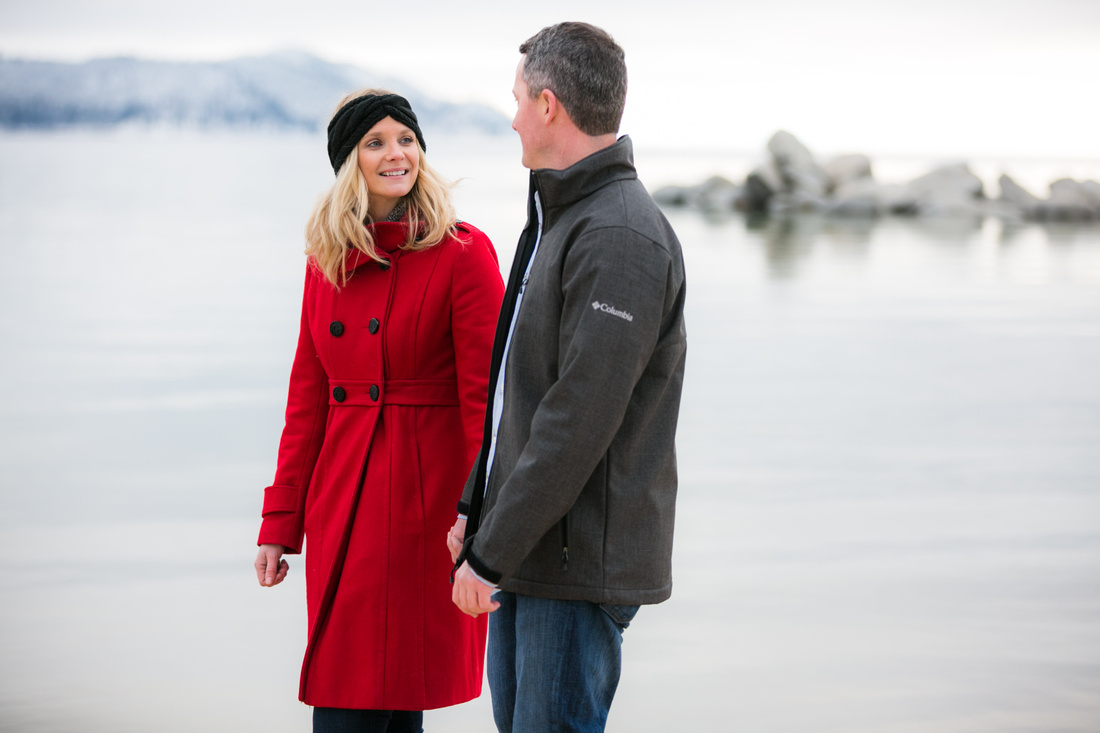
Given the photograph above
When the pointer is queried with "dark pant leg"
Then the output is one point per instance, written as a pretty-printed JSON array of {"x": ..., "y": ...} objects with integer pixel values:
[
  {"x": 342, "y": 720},
  {"x": 406, "y": 721}
]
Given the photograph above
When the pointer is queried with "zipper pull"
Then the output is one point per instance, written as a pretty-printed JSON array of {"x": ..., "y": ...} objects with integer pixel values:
[{"x": 564, "y": 525}]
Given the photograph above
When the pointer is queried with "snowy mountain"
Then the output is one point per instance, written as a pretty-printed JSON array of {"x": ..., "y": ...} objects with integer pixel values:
[{"x": 290, "y": 90}]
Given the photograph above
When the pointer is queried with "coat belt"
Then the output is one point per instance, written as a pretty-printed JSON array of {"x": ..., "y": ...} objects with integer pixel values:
[{"x": 372, "y": 393}]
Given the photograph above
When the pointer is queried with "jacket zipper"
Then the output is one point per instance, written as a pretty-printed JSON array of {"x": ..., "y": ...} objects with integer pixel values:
[{"x": 565, "y": 542}]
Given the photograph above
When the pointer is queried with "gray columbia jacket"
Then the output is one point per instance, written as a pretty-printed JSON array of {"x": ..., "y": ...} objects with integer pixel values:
[{"x": 581, "y": 495}]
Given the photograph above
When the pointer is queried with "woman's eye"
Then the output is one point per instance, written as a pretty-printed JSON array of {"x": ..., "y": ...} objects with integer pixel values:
[{"x": 406, "y": 140}]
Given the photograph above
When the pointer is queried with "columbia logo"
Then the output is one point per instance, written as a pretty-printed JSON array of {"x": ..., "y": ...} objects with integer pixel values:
[{"x": 598, "y": 306}]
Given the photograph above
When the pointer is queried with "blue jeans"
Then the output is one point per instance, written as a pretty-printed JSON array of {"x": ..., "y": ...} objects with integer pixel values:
[
  {"x": 344, "y": 720},
  {"x": 553, "y": 665}
]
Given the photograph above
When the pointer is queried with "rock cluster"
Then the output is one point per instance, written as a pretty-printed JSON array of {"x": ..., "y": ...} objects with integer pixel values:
[{"x": 791, "y": 180}]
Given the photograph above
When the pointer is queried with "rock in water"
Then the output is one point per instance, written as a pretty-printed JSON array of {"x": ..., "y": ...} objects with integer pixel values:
[
  {"x": 1016, "y": 195},
  {"x": 947, "y": 189},
  {"x": 847, "y": 168},
  {"x": 797, "y": 166},
  {"x": 760, "y": 185},
  {"x": 715, "y": 194},
  {"x": 861, "y": 197},
  {"x": 1091, "y": 189},
  {"x": 1069, "y": 201},
  {"x": 672, "y": 195}
]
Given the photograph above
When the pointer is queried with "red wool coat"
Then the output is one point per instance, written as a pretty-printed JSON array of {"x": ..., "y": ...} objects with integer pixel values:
[{"x": 383, "y": 421}]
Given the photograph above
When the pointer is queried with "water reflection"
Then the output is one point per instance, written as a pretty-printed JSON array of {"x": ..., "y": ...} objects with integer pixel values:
[{"x": 789, "y": 242}]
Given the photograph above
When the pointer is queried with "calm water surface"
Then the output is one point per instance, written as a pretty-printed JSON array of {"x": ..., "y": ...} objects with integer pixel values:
[{"x": 889, "y": 449}]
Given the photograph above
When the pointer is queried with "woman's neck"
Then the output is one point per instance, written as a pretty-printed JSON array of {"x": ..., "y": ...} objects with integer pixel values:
[{"x": 397, "y": 213}]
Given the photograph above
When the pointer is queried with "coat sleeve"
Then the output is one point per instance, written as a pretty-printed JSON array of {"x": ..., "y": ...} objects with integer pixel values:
[
  {"x": 602, "y": 356},
  {"x": 476, "y": 292},
  {"x": 304, "y": 432}
]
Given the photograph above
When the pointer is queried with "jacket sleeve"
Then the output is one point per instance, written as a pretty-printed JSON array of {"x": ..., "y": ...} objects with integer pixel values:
[
  {"x": 304, "y": 432},
  {"x": 476, "y": 292},
  {"x": 468, "y": 487},
  {"x": 616, "y": 288}
]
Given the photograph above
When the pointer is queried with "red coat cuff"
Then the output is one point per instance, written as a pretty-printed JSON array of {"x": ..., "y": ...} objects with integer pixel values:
[
  {"x": 281, "y": 528},
  {"x": 280, "y": 499}
]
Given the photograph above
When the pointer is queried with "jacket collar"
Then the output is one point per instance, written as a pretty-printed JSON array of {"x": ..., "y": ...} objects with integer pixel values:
[
  {"x": 389, "y": 236},
  {"x": 564, "y": 187}
]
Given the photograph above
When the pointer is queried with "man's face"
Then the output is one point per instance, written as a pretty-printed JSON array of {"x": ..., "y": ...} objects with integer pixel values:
[{"x": 528, "y": 122}]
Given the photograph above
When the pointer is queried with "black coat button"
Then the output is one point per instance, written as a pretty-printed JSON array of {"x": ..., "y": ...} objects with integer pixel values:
[
  {"x": 339, "y": 394},
  {"x": 374, "y": 392},
  {"x": 383, "y": 266},
  {"x": 336, "y": 328},
  {"x": 373, "y": 325}
]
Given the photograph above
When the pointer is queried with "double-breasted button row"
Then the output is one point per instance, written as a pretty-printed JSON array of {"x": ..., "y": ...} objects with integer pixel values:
[{"x": 337, "y": 329}]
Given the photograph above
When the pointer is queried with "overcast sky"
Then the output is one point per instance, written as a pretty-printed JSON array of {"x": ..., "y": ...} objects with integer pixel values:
[{"x": 936, "y": 77}]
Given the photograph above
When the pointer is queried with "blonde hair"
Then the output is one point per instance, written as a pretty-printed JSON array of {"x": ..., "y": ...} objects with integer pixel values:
[{"x": 337, "y": 222}]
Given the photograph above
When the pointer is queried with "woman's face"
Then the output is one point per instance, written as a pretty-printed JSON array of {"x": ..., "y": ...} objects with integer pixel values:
[{"x": 390, "y": 162}]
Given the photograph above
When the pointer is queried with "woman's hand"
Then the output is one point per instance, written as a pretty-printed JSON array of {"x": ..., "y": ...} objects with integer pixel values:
[
  {"x": 270, "y": 567},
  {"x": 455, "y": 538}
]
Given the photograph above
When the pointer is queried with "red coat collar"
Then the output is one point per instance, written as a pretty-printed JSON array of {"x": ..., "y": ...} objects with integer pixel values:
[{"x": 389, "y": 236}]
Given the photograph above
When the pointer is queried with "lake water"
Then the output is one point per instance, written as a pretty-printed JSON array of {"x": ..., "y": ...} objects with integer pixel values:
[{"x": 890, "y": 452}]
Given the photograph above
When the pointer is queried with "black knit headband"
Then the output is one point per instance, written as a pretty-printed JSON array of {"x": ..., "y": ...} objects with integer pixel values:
[{"x": 355, "y": 119}]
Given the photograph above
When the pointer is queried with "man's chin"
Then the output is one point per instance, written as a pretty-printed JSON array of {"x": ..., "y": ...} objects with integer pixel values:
[{"x": 528, "y": 160}]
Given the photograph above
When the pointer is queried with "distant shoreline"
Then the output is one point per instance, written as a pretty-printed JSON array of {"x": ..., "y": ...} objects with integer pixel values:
[{"x": 287, "y": 90}]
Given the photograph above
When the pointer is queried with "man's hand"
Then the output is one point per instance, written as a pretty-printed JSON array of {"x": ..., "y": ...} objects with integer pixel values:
[
  {"x": 270, "y": 567},
  {"x": 471, "y": 595},
  {"x": 455, "y": 538}
]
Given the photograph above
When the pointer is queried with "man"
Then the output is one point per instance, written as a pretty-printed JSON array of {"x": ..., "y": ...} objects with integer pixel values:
[{"x": 571, "y": 502}]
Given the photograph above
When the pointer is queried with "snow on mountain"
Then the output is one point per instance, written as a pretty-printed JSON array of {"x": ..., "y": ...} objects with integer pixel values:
[{"x": 290, "y": 89}]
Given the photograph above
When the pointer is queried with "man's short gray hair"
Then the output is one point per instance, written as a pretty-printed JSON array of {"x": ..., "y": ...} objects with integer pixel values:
[{"x": 584, "y": 68}]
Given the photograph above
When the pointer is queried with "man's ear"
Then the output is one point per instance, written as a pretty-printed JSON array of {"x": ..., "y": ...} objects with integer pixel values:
[{"x": 550, "y": 106}]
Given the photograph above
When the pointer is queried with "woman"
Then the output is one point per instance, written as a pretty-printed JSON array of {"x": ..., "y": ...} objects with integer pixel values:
[{"x": 383, "y": 420}]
